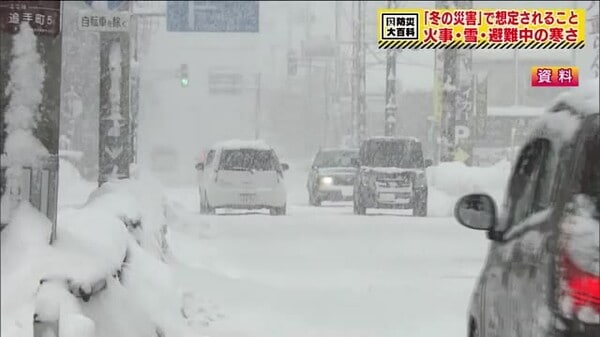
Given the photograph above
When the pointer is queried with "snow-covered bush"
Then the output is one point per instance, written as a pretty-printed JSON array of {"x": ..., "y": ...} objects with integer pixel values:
[{"x": 107, "y": 264}]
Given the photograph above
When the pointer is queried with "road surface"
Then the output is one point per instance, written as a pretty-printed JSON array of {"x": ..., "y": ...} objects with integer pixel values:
[{"x": 323, "y": 271}]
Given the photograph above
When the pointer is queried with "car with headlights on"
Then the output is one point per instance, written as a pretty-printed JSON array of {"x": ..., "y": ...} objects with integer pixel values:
[
  {"x": 391, "y": 175},
  {"x": 332, "y": 175}
]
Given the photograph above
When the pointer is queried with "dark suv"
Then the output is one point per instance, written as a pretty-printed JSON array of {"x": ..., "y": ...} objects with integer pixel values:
[
  {"x": 542, "y": 274},
  {"x": 391, "y": 175}
]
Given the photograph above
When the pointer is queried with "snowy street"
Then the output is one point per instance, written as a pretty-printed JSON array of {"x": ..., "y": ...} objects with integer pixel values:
[
  {"x": 326, "y": 272},
  {"x": 299, "y": 169}
]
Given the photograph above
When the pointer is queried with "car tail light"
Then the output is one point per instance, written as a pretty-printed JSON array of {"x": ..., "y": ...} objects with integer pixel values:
[
  {"x": 580, "y": 292},
  {"x": 580, "y": 269}
]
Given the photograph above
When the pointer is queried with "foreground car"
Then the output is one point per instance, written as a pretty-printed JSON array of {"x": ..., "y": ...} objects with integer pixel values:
[
  {"x": 242, "y": 175},
  {"x": 332, "y": 176},
  {"x": 391, "y": 175},
  {"x": 542, "y": 274}
]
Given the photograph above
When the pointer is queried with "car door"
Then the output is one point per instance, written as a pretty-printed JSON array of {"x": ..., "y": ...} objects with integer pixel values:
[
  {"x": 500, "y": 284},
  {"x": 529, "y": 232}
]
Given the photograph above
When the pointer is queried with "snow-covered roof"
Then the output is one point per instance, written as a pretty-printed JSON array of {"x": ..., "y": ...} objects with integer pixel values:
[
  {"x": 583, "y": 99},
  {"x": 235, "y": 144},
  {"x": 516, "y": 111}
]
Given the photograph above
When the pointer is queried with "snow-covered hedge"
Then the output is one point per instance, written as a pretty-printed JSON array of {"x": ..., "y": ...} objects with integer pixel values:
[{"x": 107, "y": 264}]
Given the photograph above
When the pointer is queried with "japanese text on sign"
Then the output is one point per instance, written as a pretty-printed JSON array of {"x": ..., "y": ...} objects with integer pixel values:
[
  {"x": 42, "y": 16},
  {"x": 567, "y": 76},
  {"x": 105, "y": 22},
  {"x": 481, "y": 28}
]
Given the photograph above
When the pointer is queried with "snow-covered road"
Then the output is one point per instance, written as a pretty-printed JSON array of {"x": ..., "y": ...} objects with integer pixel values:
[{"x": 326, "y": 272}]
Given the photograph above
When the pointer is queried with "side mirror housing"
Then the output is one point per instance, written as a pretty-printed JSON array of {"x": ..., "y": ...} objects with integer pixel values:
[
  {"x": 428, "y": 163},
  {"x": 476, "y": 211},
  {"x": 200, "y": 166},
  {"x": 285, "y": 166}
]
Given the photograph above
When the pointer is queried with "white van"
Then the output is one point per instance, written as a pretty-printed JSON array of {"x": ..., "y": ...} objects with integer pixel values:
[{"x": 242, "y": 175}]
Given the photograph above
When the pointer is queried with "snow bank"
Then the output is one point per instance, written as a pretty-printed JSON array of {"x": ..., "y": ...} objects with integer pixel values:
[
  {"x": 107, "y": 264},
  {"x": 141, "y": 204},
  {"x": 450, "y": 181},
  {"x": 73, "y": 190}
]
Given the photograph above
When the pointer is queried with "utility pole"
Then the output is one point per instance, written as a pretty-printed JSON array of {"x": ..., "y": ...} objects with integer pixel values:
[
  {"x": 257, "y": 108},
  {"x": 358, "y": 74},
  {"x": 391, "y": 106},
  {"x": 309, "y": 89},
  {"x": 337, "y": 75},
  {"x": 449, "y": 85}
]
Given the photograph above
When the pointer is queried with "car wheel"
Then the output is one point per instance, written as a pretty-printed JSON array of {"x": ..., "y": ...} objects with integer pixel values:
[
  {"x": 278, "y": 210},
  {"x": 202, "y": 206},
  {"x": 420, "y": 209},
  {"x": 473, "y": 331},
  {"x": 205, "y": 206}
]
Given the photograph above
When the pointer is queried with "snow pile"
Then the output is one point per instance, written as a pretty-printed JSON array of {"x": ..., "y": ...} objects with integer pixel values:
[
  {"x": 141, "y": 205},
  {"x": 107, "y": 264},
  {"x": 450, "y": 181},
  {"x": 73, "y": 190}
]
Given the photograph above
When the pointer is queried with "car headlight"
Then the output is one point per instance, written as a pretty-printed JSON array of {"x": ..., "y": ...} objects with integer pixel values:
[
  {"x": 421, "y": 179},
  {"x": 326, "y": 180}
]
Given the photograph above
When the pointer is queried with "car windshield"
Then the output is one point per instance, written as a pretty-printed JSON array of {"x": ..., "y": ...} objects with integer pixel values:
[
  {"x": 248, "y": 159},
  {"x": 335, "y": 158},
  {"x": 402, "y": 154}
]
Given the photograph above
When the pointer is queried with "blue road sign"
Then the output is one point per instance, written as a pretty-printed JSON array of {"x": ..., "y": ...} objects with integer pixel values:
[
  {"x": 213, "y": 16},
  {"x": 111, "y": 4}
]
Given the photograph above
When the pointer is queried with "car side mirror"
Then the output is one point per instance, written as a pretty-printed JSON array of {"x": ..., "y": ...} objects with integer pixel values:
[
  {"x": 200, "y": 166},
  {"x": 476, "y": 211},
  {"x": 285, "y": 166},
  {"x": 355, "y": 162},
  {"x": 428, "y": 163}
]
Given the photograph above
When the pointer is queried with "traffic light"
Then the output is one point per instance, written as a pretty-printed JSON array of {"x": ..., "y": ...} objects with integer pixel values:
[
  {"x": 183, "y": 75},
  {"x": 292, "y": 64}
]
